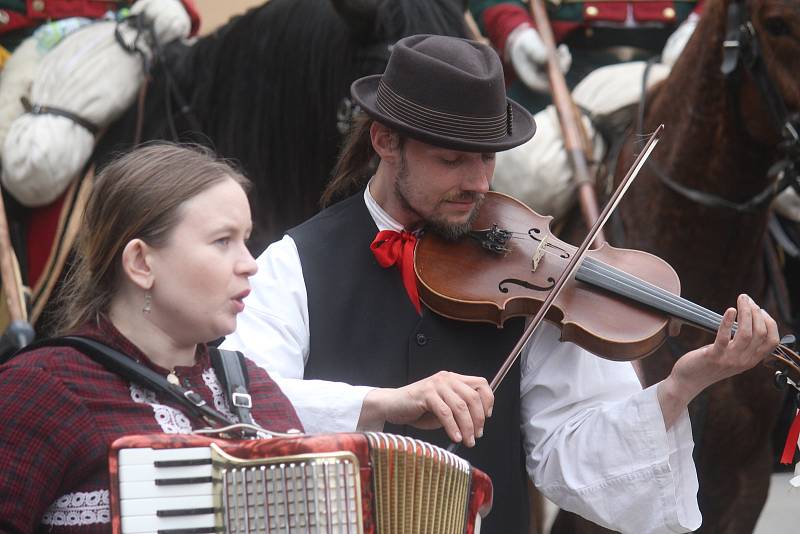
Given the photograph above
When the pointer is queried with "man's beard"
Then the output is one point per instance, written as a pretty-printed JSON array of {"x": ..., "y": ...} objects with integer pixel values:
[
  {"x": 440, "y": 226},
  {"x": 454, "y": 231}
]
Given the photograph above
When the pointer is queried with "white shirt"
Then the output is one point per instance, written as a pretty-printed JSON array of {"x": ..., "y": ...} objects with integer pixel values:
[{"x": 596, "y": 443}]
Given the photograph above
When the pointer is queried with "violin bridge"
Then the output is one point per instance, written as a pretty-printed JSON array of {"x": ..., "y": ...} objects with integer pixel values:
[{"x": 538, "y": 254}]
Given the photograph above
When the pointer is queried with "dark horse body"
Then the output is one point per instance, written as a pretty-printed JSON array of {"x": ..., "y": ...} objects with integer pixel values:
[
  {"x": 264, "y": 90},
  {"x": 719, "y": 139}
]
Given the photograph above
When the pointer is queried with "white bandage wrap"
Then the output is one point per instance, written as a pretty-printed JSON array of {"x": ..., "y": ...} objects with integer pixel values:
[
  {"x": 613, "y": 87},
  {"x": 87, "y": 74},
  {"x": 16, "y": 80},
  {"x": 677, "y": 41},
  {"x": 169, "y": 18},
  {"x": 539, "y": 172}
]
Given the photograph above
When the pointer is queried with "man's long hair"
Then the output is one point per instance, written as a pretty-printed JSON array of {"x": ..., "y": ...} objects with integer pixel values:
[{"x": 356, "y": 164}]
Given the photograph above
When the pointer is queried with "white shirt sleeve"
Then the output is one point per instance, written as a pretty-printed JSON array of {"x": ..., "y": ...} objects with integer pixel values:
[
  {"x": 596, "y": 443},
  {"x": 273, "y": 331}
]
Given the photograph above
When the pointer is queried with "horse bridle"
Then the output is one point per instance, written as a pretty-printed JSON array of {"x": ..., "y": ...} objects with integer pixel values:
[{"x": 741, "y": 48}]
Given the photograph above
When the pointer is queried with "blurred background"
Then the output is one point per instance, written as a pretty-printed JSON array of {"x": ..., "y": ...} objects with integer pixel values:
[{"x": 216, "y": 12}]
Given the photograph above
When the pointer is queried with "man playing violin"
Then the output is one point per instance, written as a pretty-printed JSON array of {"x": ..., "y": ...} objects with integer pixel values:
[{"x": 335, "y": 317}]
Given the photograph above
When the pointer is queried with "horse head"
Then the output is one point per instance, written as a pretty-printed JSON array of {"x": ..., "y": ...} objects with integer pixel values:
[{"x": 768, "y": 56}]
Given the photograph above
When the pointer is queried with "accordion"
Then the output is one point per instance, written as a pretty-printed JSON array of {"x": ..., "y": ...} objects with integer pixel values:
[{"x": 370, "y": 483}]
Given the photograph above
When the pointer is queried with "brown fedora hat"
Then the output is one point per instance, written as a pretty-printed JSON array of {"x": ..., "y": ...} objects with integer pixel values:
[{"x": 447, "y": 92}]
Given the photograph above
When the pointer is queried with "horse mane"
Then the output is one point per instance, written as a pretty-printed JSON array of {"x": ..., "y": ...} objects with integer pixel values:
[{"x": 266, "y": 86}]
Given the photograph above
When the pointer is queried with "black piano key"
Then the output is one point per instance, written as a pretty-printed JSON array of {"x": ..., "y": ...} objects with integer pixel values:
[
  {"x": 182, "y": 463},
  {"x": 178, "y": 481},
  {"x": 185, "y": 511},
  {"x": 201, "y": 530}
]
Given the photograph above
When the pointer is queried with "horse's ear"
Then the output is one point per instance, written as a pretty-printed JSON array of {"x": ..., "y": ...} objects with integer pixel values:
[{"x": 358, "y": 14}]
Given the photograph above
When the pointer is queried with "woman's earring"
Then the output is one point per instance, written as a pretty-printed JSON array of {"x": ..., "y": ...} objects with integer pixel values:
[{"x": 147, "y": 301}]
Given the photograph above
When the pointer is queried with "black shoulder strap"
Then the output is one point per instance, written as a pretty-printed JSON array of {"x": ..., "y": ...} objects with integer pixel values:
[
  {"x": 231, "y": 370},
  {"x": 128, "y": 368}
]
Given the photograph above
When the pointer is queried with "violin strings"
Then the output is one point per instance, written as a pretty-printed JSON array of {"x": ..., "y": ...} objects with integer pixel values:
[
  {"x": 605, "y": 276},
  {"x": 641, "y": 295},
  {"x": 648, "y": 293},
  {"x": 782, "y": 352},
  {"x": 791, "y": 357}
]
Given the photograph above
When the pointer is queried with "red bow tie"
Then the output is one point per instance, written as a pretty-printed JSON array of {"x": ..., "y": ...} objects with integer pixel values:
[{"x": 397, "y": 248}]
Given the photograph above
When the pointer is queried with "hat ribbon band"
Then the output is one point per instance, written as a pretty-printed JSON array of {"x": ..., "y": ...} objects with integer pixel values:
[{"x": 441, "y": 123}]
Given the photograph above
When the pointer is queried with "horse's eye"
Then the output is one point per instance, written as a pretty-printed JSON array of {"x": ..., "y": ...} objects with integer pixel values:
[{"x": 777, "y": 26}]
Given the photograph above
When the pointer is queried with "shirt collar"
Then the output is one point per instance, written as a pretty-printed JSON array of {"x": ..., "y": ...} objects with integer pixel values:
[{"x": 383, "y": 220}]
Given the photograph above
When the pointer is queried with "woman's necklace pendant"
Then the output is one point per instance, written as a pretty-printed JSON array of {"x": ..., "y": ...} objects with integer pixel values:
[{"x": 172, "y": 378}]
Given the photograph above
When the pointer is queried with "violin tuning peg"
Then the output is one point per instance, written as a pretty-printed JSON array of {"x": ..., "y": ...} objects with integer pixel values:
[
  {"x": 789, "y": 340},
  {"x": 781, "y": 380}
]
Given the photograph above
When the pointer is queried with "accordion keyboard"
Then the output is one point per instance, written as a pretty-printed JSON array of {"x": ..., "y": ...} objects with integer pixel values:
[
  {"x": 203, "y": 490},
  {"x": 372, "y": 483}
]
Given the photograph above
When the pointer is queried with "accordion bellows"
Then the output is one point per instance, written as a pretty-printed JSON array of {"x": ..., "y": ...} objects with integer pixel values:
[{"x": 333, "y": 483}]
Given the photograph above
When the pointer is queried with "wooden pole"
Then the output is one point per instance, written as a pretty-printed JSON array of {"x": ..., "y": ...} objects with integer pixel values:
[
  {"x": 575, "y": 137},
  {"x": 15, "y": 303},
  {"x": 19, "y": 332},
  {"x": 472, "y": 26}
]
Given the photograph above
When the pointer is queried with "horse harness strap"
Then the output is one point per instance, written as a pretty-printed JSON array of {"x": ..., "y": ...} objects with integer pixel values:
[
  {"x": 752, "y": 204},
  {"x": 741, "y": 47},
  {"x": 36, "y": 109},
  {"x": 145, "y": 33}
]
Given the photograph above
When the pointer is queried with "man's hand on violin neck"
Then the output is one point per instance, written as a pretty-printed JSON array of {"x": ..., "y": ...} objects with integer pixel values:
[
  {"x": 458, "y": 403},
  {"x": 755, "y": 338}
]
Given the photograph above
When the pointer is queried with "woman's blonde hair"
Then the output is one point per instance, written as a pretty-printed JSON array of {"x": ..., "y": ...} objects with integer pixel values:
[{"x": 137, "y": 196}]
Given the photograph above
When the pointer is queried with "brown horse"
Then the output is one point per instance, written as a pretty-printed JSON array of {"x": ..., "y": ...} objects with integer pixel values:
[{"x": 721, "y": 139}]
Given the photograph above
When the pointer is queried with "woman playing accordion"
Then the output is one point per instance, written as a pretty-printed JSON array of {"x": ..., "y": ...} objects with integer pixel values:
[{"x": 161, "y": 270}]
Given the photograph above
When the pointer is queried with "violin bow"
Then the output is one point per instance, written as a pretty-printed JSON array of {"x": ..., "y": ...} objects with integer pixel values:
[{"x": 575, "y": 262}]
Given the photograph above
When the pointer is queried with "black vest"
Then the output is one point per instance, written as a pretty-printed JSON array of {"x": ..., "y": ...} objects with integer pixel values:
[{"x": 365, "y": 331}]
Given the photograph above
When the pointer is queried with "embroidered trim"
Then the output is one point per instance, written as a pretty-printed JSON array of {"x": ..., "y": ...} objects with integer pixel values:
[
  {"x": 220, "y": 402},
  {"x": 171, "y": 420},
  {"x": 79, "y": 508}
]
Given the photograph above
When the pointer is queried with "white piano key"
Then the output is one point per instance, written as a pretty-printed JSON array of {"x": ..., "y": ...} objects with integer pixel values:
[
  {"x": 146, "y": 455},
  {"x": 141, "y": 490},
  {"x": 149, "y": 506},
  {"x": 141, "y": 524},
  {"x": 133, "y": 473}
]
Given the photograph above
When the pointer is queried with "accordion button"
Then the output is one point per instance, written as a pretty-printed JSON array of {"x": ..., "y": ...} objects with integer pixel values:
[{"x": 422, "y": 340}]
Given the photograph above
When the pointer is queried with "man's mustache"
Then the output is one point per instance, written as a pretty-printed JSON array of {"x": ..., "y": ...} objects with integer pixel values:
[{"x": 465, "y": 196}]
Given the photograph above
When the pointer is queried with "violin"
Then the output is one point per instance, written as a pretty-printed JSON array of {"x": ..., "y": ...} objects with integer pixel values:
[{"x": 621, "y": 304}]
